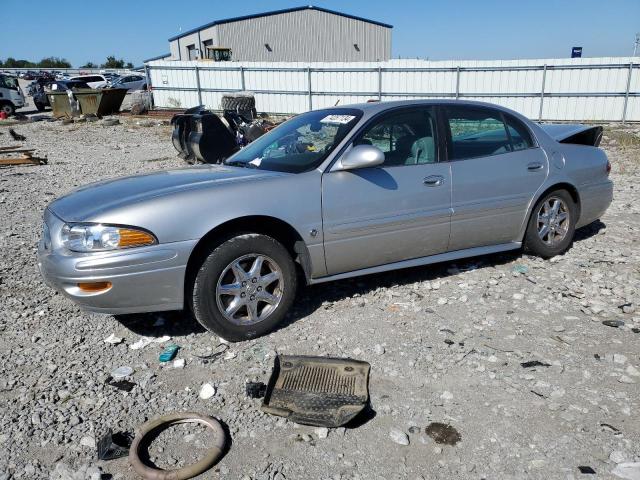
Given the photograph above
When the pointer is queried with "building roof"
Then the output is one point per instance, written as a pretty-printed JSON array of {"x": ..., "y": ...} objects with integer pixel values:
[
  {"x": 276, "y": 12},
  {"x": 159, "y": 57}
]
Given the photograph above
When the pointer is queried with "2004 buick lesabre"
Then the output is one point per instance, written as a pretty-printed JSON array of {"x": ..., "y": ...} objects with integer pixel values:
[{"x": 327, "y": 195}]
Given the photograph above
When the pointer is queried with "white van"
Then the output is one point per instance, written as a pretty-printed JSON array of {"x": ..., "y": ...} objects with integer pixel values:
[{"x": 11, "y": 96}]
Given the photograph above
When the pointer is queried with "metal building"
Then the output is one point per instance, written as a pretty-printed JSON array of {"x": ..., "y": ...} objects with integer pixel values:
[{"x": 302, "y": 34}]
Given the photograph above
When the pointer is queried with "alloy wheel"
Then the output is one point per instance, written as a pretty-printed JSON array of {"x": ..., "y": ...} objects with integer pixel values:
[
  {"x": 249, "y": 289},
  {"x": 553, "y": 221}
]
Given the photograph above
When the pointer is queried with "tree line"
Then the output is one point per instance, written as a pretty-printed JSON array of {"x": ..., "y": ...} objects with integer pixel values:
[{"x": 57, "y": 62}]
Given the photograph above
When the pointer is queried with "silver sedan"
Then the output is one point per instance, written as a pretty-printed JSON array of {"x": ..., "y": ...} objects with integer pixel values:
[{"x": 327, "y": 195}]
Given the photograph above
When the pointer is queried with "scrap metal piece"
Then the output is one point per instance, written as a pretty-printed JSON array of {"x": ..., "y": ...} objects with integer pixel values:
[
  {"x": 319, "y": 391},
  {"x": 165, "y": 421}
]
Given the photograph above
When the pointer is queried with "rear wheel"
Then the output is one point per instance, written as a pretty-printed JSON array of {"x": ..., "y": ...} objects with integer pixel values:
[
  {"x": 552, "y": 225},
  {"x": 245, "y": 287}
]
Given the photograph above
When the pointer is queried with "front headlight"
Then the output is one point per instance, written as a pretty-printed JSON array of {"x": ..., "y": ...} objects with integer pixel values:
[{"x": 100, "y": 238}]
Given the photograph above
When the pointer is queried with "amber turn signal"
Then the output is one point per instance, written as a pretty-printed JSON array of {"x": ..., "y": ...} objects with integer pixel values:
[
  {"x": 134, "y": 238},
  {"x": 93, "y": 287}
]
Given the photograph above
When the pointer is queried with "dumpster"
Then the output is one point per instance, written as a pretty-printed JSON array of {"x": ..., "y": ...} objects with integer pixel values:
[
  {"x": 60, "y": 105},
  {"x": 101, "y": 102}
]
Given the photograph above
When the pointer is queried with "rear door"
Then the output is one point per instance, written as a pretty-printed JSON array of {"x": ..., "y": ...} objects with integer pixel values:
[
  {"x": 496, "y": 169},
  {"x": 397, "y": 211}
]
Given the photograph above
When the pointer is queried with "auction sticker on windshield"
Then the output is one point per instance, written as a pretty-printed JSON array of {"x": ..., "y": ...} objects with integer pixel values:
[{"x": 340, "y": 119}]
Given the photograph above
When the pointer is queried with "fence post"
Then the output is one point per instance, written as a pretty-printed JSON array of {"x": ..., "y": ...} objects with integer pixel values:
[
  {"x": 242, "y": 84},
  {"x": 626, "y": 94},
  {"x": 146, "y": 76},
  {"x": 197, "y": 70},
  {"x": 379, "y": 84},
  {"x": 309, "y": 85},
  {"x": 457, "y": 82},
  {"x": 544, "y": 80}
]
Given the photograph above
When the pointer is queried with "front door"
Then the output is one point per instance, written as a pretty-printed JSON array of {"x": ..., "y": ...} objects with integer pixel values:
[
  {"x": 496, "y": 169},
  {"x": 397, "y": 211}
]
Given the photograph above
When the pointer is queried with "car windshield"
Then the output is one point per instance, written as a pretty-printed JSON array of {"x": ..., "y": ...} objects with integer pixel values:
[{"x": 299, "y": 144}]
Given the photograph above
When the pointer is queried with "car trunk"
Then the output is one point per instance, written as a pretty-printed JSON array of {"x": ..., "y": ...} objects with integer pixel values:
[{"x": 574, "y": 133}]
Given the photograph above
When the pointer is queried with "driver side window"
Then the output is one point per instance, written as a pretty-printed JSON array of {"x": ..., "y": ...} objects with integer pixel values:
[{"x": 405, "y": 138}]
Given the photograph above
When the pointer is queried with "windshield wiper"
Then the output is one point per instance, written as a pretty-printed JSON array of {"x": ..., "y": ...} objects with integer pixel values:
[{"x": 240, "y": 163}]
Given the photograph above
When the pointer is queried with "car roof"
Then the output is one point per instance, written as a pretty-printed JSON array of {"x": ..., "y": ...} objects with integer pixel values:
[{"x": 377, "y": 106}]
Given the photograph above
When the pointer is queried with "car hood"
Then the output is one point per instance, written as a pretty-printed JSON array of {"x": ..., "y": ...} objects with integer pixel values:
[{"x": 83, "y": 204}]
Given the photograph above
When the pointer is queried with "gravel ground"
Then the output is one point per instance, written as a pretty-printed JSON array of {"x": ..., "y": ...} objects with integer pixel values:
[{"x": 445, "y": 344}]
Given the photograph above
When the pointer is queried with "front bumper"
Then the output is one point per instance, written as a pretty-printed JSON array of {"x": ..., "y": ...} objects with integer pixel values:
[{"x": 146, "y": 279}]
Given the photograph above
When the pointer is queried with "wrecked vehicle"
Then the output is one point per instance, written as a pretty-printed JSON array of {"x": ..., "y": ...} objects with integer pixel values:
[
  {"x": 38, "y": 91},
  {"x": 332, "y": 194}
]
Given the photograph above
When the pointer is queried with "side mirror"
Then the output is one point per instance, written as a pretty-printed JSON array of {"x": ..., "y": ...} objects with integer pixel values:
[{"x": 361, "y": 156}]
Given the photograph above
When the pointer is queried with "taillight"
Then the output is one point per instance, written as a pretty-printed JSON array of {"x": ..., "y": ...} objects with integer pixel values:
[{"x": 608, "y": 167}]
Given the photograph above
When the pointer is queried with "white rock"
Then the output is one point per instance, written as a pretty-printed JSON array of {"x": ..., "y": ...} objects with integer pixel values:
[
  {"x": 446, "y": 395},
  {"x": 112, "y": 339},
  {"x": 207, "y": 391},
  {"x": 178, "y": 363},
  {"x": 378, "y": 349},
  {"x": 619, "y": 358},
  {"x": 518, "y": 296},
  {"x": 628, "y": 471},
  {"x": 617, "y": 456},
  {"x": 88, "y": 441},
  {"x": 625, "y": 379},
  {"x": 399, "y": 437},
  {"x": 121, "y": 372},
  {"x": 322, "y": 432},
  {"x": 633, "y": 371},
  {"x": 143, "y": 342}
]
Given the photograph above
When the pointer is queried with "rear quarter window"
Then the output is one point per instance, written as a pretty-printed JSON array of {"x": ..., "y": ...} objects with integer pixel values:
[{"x": 520, "y": 135}]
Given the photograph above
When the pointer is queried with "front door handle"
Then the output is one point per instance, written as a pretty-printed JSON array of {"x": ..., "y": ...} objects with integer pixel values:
[
  {"x": 532, "y": 167},
  {"x": 433, "y": 181}
]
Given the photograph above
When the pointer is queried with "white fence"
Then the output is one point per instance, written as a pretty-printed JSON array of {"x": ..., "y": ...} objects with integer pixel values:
[{"x": 586, "y": 89}]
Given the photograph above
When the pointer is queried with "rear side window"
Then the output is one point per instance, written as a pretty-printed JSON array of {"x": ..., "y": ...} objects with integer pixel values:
[
  {"x": 476, "y": 132},
  {"x": 520, "y": 136}
]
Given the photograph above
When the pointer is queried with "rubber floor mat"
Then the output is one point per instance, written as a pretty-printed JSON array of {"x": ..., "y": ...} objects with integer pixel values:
[{"x": 320, "y": 391}]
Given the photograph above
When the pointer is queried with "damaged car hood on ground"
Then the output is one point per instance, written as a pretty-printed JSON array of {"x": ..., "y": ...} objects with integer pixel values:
[{"x": 83, "y": 204}]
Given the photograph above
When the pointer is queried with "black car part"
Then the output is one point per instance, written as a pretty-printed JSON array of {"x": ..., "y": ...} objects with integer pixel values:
[
  {"x": 201, "y": 135},
  {"x": 320, "y": 391}
]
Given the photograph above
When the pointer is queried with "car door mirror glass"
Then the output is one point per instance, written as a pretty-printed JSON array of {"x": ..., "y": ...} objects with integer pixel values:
[{"x": 361, "y": 156}]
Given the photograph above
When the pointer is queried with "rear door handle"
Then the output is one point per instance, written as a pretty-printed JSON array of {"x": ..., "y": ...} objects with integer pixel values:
[
  {"x": 433, "y": 180},
  {"x": 532, "y": 167}
]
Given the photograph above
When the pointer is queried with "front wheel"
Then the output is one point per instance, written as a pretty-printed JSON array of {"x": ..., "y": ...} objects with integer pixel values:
[
  {"x": 552, "y": 225},
  {"x": 7, "y": 108},
  {"x": 245, "y": 287}
]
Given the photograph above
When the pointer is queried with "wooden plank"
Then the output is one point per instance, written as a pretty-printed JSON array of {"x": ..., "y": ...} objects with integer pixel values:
[
  {"x": 9, "y": 161},
  {"x": 18, "y": 150}
]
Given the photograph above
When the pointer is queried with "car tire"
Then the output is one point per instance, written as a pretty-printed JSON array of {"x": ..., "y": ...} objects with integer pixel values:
[
  {"x": 249, "y": 301},
  {"x": 552, "y": 225},
  {"x": 7, "y": 108},
  {"x": 40, "y": 106}
]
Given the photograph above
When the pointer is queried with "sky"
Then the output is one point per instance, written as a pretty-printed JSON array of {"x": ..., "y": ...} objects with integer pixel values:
[{"x": 82, "y": 31}]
